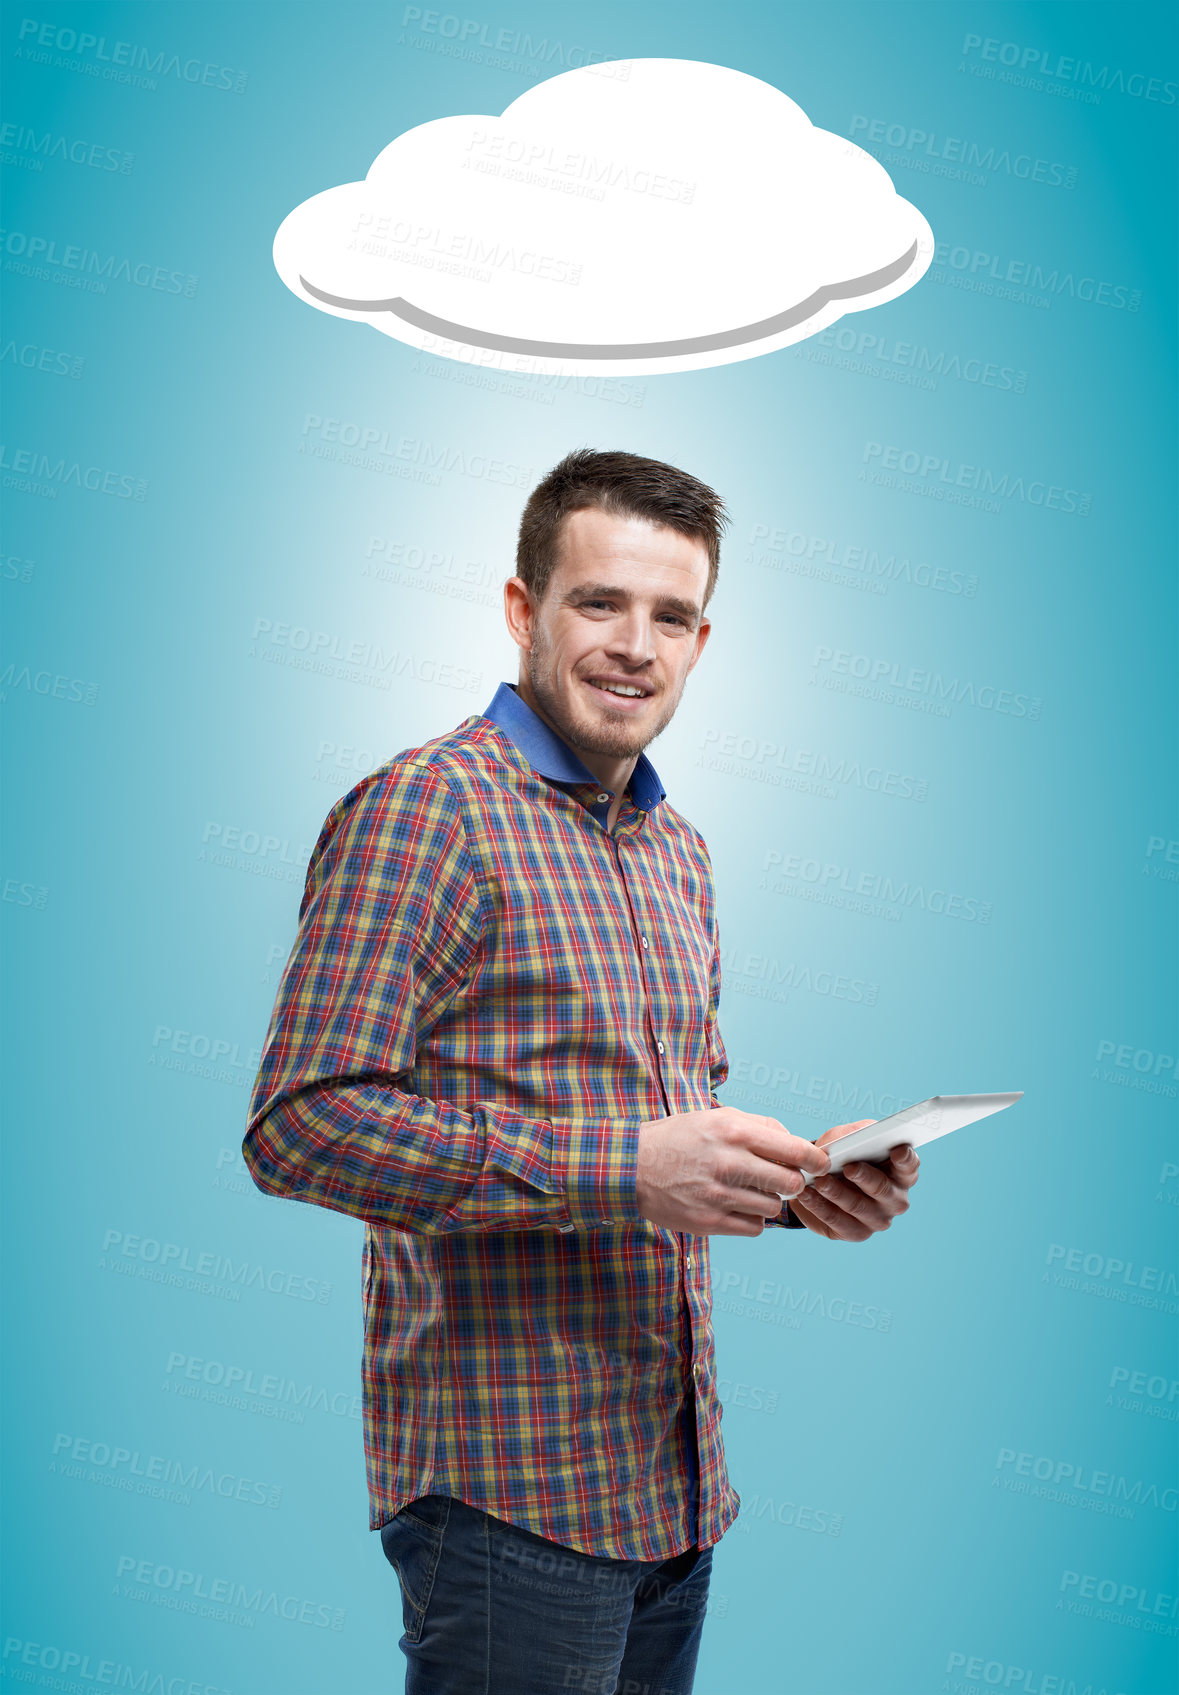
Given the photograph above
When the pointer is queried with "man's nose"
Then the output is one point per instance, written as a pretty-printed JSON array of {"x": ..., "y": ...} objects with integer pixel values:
[{"x": 632, "y": 639}]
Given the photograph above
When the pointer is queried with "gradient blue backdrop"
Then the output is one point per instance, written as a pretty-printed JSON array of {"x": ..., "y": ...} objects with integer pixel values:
[{"x": 954, "y": 1444}]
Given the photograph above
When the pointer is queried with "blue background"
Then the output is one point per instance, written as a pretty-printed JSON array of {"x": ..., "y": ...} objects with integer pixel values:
[{"x": 170, "y": 763}]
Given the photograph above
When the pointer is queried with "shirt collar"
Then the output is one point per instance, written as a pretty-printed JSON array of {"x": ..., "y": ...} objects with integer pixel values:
[{"x": 551, "y": 756}]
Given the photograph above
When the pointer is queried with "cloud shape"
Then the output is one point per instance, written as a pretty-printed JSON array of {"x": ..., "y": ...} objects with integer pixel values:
[{"x": 641, "y": 216}]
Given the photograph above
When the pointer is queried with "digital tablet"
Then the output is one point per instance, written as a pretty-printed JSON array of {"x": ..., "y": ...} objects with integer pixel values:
[{"x": 912, "y": 1127}]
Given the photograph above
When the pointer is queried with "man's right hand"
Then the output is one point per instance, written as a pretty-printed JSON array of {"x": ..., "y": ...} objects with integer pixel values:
[{"x": 721, "y": 1172}]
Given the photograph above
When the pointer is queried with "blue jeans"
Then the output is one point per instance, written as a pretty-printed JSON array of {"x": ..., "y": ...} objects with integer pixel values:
[{"x": 491, "y": 1609}]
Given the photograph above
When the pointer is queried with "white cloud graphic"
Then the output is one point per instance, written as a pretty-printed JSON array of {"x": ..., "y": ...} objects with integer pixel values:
[{"x": 639, "y": 216}]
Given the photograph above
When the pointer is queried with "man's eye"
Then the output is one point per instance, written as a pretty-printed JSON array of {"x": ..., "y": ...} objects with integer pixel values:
[{"x": 671, "y": 618}]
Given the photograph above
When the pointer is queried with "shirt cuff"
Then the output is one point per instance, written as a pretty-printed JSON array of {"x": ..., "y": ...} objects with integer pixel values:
[
  {"x": 596, "y": 1164},
  {"x": 787, "y": 1219}
]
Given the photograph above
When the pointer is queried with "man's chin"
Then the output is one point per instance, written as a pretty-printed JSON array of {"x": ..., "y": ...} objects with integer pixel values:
[
  {"x": 617, "y": 735},
  {"x": 617, "y": 747}
]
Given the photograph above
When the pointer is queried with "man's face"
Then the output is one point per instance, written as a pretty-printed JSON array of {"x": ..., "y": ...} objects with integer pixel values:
[{"x": 623, "y": 611}]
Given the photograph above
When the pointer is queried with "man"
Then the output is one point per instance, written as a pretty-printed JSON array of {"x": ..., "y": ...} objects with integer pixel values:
[{"x": 496, "y": 1043}]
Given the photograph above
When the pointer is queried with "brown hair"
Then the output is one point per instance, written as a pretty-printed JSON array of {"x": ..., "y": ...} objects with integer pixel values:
[{"x": 624, "y": 484}]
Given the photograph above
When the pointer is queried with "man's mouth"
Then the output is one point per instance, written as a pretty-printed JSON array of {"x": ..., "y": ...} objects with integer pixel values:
[{"x": 621, "y": 692}]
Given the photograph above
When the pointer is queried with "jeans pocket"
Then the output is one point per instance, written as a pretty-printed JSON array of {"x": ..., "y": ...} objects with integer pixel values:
[{"x": 412, "y": 1542}]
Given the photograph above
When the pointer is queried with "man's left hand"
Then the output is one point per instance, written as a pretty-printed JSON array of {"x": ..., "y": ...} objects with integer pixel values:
[{"x": 853, "y": 1204}]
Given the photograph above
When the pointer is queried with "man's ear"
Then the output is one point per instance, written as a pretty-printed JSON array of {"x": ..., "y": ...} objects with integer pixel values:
[
  {"x": 703, "y": 631},
  {"x": 519, "y": 612}
]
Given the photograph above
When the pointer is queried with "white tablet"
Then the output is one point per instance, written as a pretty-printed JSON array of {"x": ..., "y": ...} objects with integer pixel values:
[{"x": 912, "y": 1127}]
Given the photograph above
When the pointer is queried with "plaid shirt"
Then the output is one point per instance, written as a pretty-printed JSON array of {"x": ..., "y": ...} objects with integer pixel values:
[{"x": 489, "y": 992}]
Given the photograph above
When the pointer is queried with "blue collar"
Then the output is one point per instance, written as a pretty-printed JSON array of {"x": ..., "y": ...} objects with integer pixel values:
[{"x": 552, "y": 757}]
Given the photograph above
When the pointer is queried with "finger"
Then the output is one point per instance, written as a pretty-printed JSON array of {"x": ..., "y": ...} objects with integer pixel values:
[
  {"x": 905, "y": 1165},
  {"x": 850, "y": 1198},
  {"x": 832, "y": 1218},
  {"x": 738, "y": 1224},
  {"x": 876, "y": 1181},
  {"x": 762, "y": 1174},
  {"x": 772, "y": 1141},
  {"x": 885, "y": 1182},
  {"x": 736, "y": 1190}
]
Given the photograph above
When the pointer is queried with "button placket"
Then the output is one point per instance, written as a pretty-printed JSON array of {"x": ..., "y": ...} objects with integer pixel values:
[{"x": 635, "y": 932}]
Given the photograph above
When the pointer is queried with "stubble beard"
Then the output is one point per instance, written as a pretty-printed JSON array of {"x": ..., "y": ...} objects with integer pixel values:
[{"x": 616, "y": 738}]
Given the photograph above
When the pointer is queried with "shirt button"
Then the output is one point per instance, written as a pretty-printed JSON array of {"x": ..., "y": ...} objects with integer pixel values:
[
  {"x": 604, "y": 797},
  {"x": 696, "y": 1370},
  {"x": 659, "y": 1045},
  {"x": 689, "y": 1262},
  {"x": 644, "y": 941},
  {"x": 564, "y": 1228}
]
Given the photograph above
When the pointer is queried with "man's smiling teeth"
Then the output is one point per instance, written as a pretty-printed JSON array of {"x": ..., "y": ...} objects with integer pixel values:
[{"x": 619, "y": 688}]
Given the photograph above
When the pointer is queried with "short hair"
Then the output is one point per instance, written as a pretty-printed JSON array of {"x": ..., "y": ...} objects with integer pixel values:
[{"x": 626, "y": 485}]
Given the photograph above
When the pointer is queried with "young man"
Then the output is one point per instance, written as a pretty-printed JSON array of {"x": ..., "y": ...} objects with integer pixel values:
[{"x": 496, "y": 1043}]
